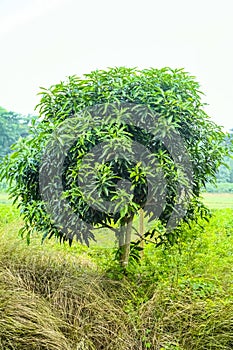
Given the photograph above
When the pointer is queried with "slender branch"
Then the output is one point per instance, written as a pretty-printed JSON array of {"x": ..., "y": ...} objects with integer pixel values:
[{"x": 142, "y": 237}]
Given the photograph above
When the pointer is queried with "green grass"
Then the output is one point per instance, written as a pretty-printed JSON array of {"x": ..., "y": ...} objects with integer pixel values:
[
  {"x": 54, "y": 296},
  {"x": 4, "y": 198},
  {"x": 218, "y": 200}
]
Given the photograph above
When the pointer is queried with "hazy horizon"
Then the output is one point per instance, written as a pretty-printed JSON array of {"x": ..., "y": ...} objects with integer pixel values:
[{"x": 44, "y": 42}]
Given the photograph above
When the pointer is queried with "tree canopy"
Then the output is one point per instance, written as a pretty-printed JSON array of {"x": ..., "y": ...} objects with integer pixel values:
[{"x": 111, "y": 143}]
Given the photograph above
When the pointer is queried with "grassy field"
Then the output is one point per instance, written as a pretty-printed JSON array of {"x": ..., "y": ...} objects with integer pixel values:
[
  {"x": 218, "y": 200},
  {"x": 54, "y": 296},
  {"x": 4, "y": 198}
]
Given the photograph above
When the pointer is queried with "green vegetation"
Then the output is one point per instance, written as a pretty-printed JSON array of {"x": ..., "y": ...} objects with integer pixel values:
[
  {"x": 218, "y": 200},
  {"x": 4, "y": 198},
  {"x": 224, "y": 175},
  {"x": 12, "y": 126},
  {"x": 111, "y": 111},
  {"x": 220, "y": 187},
  {"x": 175, "y": 291},
  {"x": 59, "y": 297}
]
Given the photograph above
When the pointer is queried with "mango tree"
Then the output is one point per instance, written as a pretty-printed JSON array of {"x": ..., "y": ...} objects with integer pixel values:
[{"x": 109, "y": 145}]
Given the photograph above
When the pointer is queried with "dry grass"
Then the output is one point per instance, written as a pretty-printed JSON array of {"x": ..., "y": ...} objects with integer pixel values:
[
  {"x": 184, "y": 323},
  {"x": 53, "y": 310},
  {"x": 54, "y": 301},
  {"x": 51, "y": 298}
]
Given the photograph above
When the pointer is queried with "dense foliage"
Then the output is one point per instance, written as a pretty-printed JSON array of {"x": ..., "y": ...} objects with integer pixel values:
[
  {"x": 225, "y": 172},
  {"x": 12, "y": 126},
  {"x": 171, "y": 101},
  {"x": 219, "y": 187}
]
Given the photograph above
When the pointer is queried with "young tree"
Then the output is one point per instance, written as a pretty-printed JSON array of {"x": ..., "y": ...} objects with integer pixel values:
[{"x": 109, "y": 144}]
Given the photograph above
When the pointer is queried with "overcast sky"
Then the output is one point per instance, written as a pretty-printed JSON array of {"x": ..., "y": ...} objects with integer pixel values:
[{"x": 43, "y": 41}]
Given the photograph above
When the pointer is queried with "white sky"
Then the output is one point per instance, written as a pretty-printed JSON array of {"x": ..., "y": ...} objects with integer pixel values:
[{"x": 43, "y": 41}]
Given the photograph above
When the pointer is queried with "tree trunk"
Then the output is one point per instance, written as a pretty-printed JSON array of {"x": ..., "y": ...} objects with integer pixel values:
[
  {"x": 125, "y": 248},
  {"x": 121, "y": 238},
  {"x": 141, "y": 229}
]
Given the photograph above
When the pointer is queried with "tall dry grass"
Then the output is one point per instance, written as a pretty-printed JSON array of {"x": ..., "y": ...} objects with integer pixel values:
[{"x": 50, "y": 299}]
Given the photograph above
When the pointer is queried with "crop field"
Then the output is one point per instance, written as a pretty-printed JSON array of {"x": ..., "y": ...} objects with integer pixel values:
[{"x": 53, "y": 296}]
